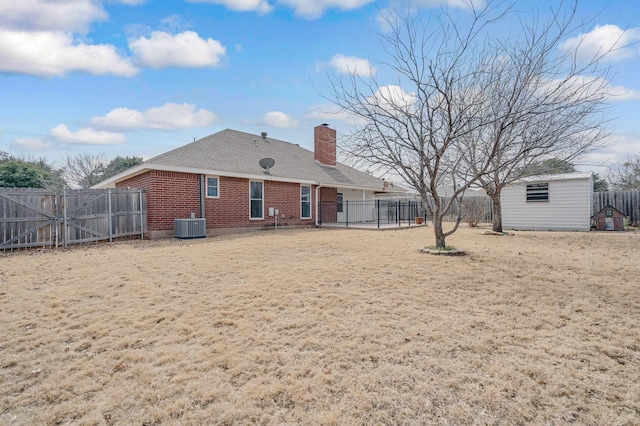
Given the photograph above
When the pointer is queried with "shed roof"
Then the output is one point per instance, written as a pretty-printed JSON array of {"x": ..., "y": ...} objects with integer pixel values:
[
  {"x": 554, "y": 177},
  {"x": 608, "y": 206},
  {"x": 234, "y": 153}
]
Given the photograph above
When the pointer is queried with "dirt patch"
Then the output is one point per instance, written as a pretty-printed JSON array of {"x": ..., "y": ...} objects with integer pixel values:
[{"x": 325, "y": 327}]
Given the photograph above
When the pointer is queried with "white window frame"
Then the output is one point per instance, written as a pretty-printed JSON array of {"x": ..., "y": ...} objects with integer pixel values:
[
  {"x": 302, "y": 202},
  {"x": 253, "y": 199},
  {"x": 217, "y": 178}
]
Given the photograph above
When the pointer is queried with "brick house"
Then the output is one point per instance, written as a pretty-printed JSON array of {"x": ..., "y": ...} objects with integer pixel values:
[{"x": 220, "y": 178}]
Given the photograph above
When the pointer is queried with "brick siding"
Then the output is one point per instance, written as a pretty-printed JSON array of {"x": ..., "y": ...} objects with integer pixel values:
[
  {"x": 324, "y": 149},
  {"x": 329, "y": 212},
  {"x": 231, "y": 210},
  {"x": 172, "y": 195}
]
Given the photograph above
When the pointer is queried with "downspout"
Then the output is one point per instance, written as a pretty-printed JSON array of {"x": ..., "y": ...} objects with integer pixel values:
[
  {"x": 200, "y": 196},
  {"x": 318, "y": 203}
]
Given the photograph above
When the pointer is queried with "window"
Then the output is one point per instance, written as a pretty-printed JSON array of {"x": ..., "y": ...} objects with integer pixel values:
[
  {"x": 339, "y": 202},
  {"x": 212, "y": 187},
  {"x": 256, "y": 200},
  {"x": 305, "y": 202},
  {"x": 608, "y": 213},
  {"x": 538, "y": 192}
]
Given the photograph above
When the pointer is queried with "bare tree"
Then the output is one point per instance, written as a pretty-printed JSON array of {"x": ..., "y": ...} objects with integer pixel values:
[
  {"x": 472, "y": 106},
  {"x": 545, "y": 106},
  {"x": 626, "y": 175},
  {"x": 417, "y": 127},
  {"x": 84, "y": 170}
]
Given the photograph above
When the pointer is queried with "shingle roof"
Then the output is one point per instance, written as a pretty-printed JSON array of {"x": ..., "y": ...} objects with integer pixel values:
[{"x": 239, "y": 153}]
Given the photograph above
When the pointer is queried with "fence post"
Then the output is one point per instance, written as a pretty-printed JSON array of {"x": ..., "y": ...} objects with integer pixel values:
[
  {"x": 378, "y": 215},
  {"x": 397, "y": 210},
  {"x": 141, "y": 215},
  {"x": 110, "y": 216},
  {"x": 64, "y": 217},
  {"x": 56, "y": 199},
  {"x": 346, "y": 215}
]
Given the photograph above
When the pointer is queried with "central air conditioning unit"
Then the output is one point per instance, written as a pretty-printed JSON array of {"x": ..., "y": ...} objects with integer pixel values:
[{"x": 189, "y": 228}]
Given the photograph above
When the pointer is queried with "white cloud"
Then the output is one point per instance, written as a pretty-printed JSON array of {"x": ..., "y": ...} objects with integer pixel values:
[
  {"x": 590, "y": 86},
  {"x": 32, "y": 144},
  {"x": 620, "y": 93},
  {"x": 259, "y": 6},
  {"x": 618, "y": 147},
  {"x": 431, "y": 4},
  {"x": 47, "y": 15},
  {"x": 278, "y": 119},
  {"x": 170, "y": 116},
  {"x": 395, "y": 9},
  {"x": 458, "y": 4},
  {"x": 330, "y": 113},
  {"x": 392, "y": 98},
  {"x": 45, "y": 53},
  {"x": 45, "y": 38},
  {"x": 185, "y": 49},
  {"x": 86, "y": 136},
  {"x": 622, "y": 43},
  {"x": 311, "y": 9},
  {"x": 352, "y": 65},
  {"x": 173, "y": 23}
]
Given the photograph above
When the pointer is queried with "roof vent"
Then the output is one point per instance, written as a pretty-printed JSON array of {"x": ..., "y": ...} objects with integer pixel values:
[{"x": 264, "y": 135}]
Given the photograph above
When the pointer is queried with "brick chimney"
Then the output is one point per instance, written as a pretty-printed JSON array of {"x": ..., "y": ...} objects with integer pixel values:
[{"x": 324, "y": 144}]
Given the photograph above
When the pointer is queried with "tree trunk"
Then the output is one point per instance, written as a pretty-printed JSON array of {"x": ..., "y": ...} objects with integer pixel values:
[
  {"x": 496, "y": 210},
  {"x": 438, "y": 232}
]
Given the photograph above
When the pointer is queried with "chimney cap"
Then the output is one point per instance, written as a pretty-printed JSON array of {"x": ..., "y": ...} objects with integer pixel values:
[{"x": 325, "y": 124}]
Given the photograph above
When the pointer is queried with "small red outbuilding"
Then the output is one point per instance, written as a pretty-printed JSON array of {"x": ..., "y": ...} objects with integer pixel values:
[{"x": 609, "y": 219}]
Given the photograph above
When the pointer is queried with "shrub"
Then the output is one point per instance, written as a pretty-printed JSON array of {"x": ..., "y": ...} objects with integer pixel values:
[{"x": 474, "y": 210}]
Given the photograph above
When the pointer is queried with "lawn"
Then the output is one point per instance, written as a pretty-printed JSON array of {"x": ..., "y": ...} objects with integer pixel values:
[{"x": 324, "y": 327}]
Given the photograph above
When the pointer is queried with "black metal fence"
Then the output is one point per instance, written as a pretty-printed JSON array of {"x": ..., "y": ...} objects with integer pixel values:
[
  {"x": 378, "y": 213},
  {"x": 386, "y": 212}
]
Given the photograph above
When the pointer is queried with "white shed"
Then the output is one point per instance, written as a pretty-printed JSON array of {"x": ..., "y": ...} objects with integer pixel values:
[{"x": 562, "y": 202}]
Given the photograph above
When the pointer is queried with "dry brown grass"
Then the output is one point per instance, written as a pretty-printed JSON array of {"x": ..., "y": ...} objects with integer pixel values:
[{"x": 324, "y": 327}]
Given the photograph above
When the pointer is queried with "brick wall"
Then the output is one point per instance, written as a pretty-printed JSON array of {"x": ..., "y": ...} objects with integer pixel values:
[
  {"x": 324, "y": 144},
  {"x": 329, "y": 212},
  {"x": 231, "y": 210},
  {"x": 172, "y": 195}
]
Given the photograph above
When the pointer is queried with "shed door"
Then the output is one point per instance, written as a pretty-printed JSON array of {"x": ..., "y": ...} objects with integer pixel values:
[{"x": 609, "y": 224}]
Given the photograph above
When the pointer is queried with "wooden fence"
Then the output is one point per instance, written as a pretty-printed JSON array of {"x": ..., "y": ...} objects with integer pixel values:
[
  {"x": 41, "y": 218},
  {"x": 627, "y": 202}
]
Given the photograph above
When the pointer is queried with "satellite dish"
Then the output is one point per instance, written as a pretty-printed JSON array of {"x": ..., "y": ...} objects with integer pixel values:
[{"x": 266, "y": 164}]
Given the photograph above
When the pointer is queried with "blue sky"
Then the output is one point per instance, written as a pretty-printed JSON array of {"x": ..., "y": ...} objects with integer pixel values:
[{"x": 140, "y": 77}]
